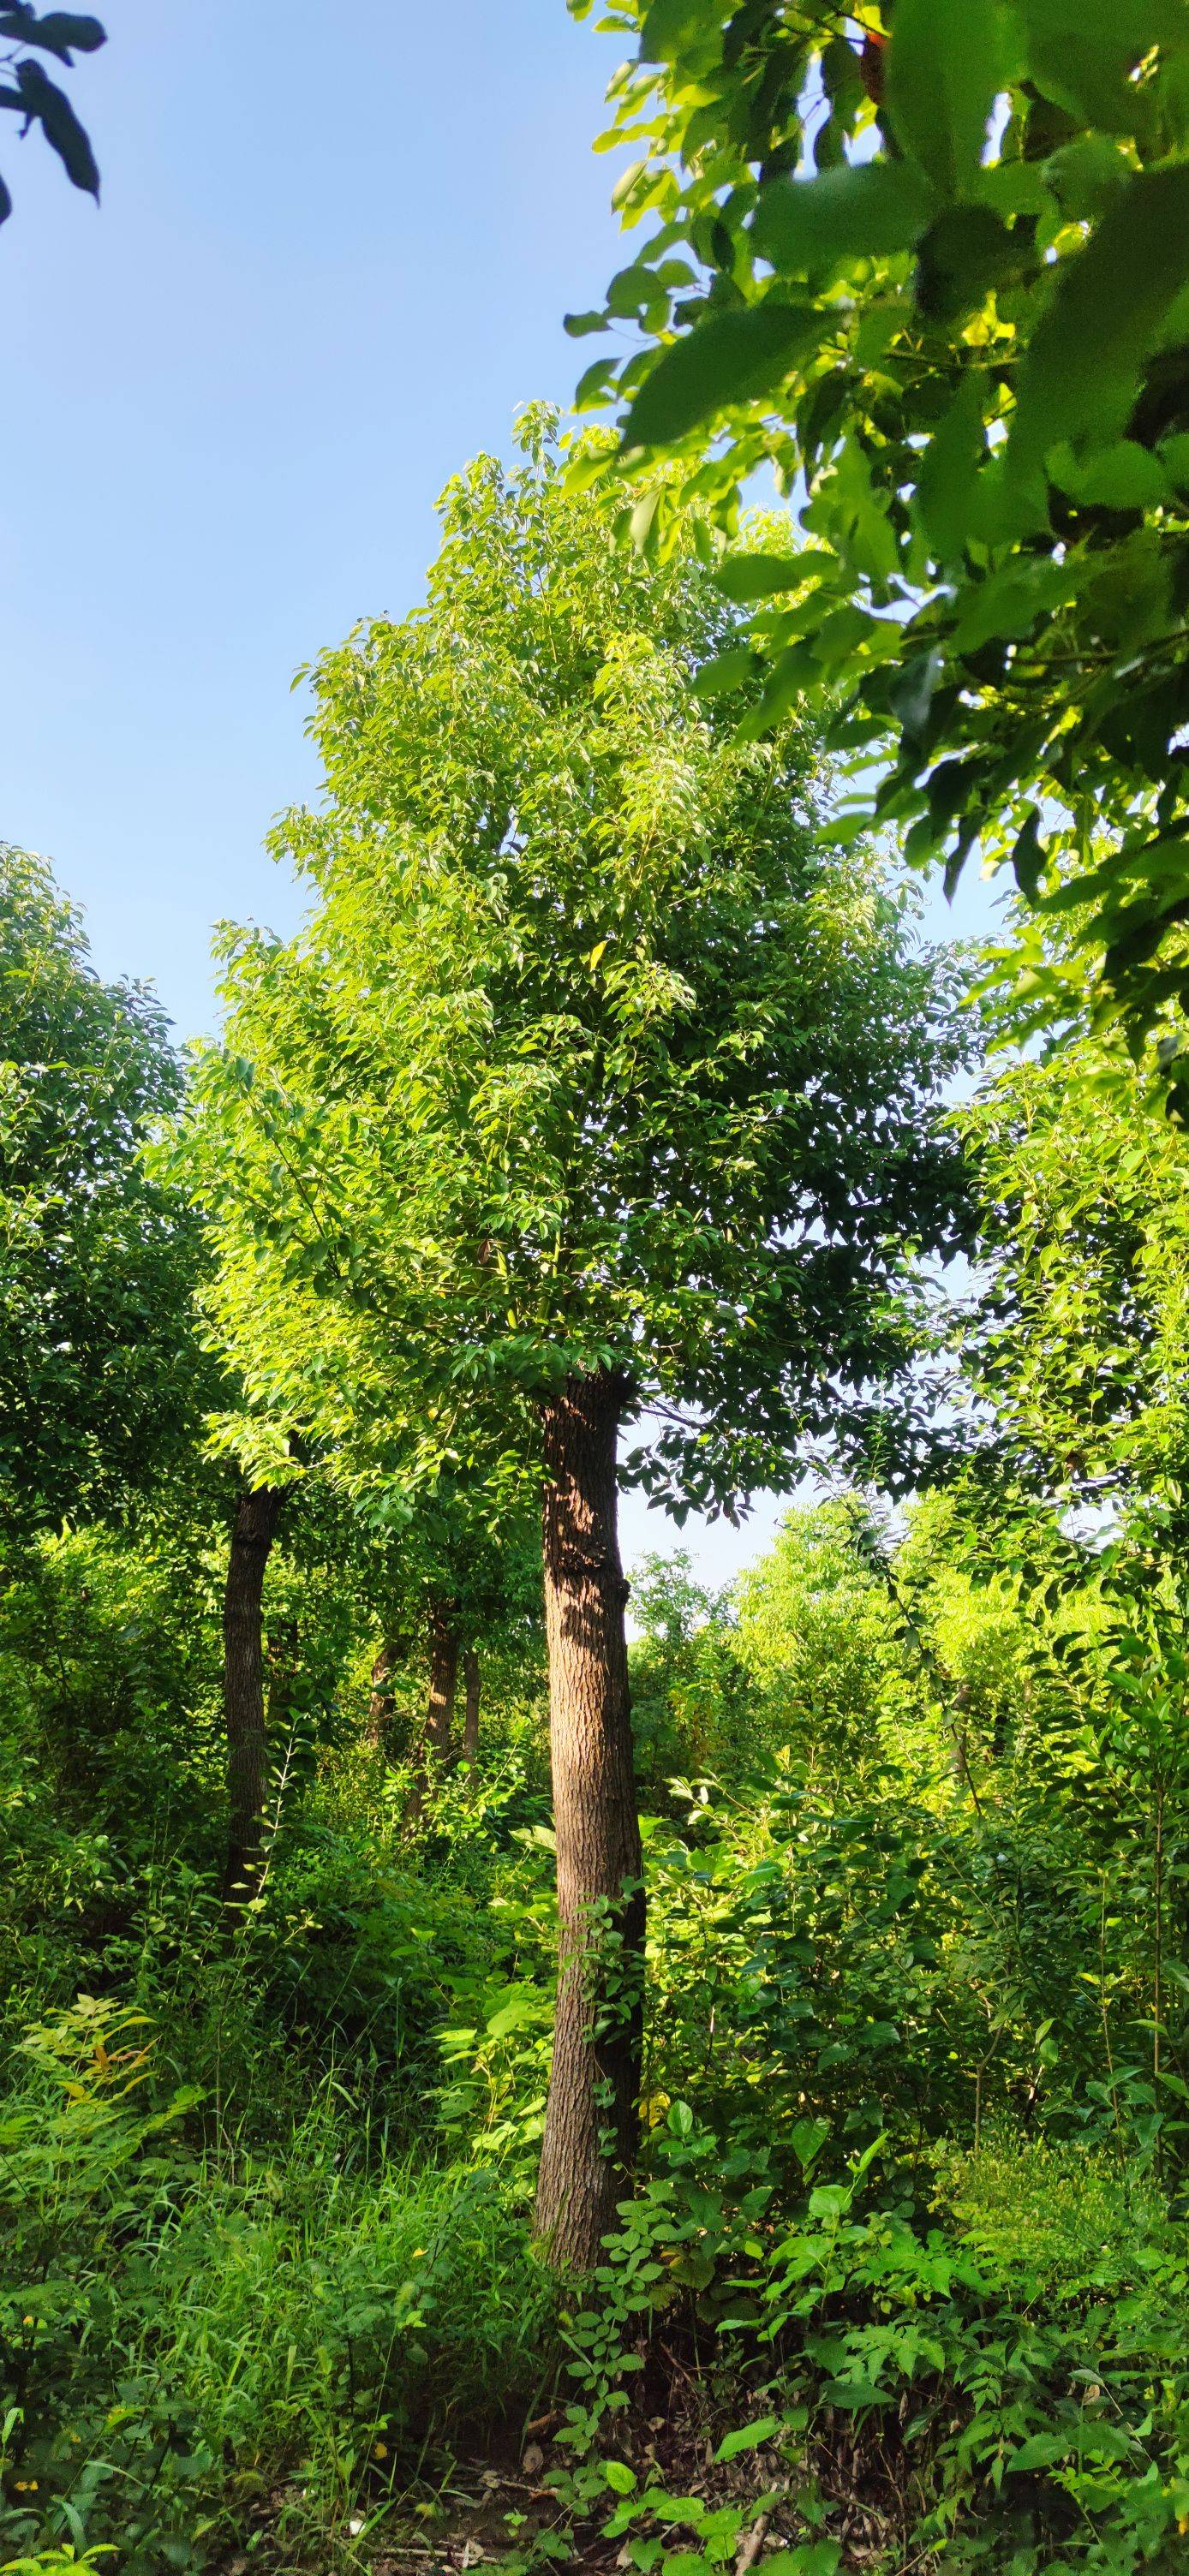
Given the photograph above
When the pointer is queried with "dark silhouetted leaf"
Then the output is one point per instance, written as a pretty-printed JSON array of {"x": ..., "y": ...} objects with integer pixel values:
[
  {"x": 1028, "y": 857},
  {"x": 60, "y": 32},
  {"x": 60, "y": 125}
]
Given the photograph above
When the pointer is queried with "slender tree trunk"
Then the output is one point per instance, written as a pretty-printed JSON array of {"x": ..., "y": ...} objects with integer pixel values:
[
  {"x": 252, "y": 1535},
  {"x": 592, "y": 2112},
  {"x": 470, "y": 1723},
  {"x": 379, "y": 1707},
  {"x": 436, "y": 1746},
  {"x": 443, "y": 1678},
  {"x": 381, "y": 1727}
]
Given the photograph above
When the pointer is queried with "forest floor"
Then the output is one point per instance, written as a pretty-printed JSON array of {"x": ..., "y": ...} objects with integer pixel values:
[{"x": 513, "y": 2505}]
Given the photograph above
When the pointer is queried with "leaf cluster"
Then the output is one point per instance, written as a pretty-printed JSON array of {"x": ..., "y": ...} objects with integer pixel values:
[{"x": 929, "y": 264}]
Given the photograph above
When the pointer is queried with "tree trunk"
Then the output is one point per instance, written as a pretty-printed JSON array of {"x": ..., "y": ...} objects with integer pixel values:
[
  {"x": 443, "y": 1678},
  {"x": 379, "y": 1707},
  {"x": 381, "y": 1729},
  {"x": 252, "y": 1535},
  {"x": 470, "y": 1724},
  {"x": 592, "y": 2112}
]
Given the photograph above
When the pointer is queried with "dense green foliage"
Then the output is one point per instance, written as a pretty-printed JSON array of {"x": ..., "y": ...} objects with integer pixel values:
[
  {"x": 589, "y": 1056},
  {"x": 597, "y": 1058},
  {"x": 929, "y": 262},
  {"x": 98, "y": 1373}
]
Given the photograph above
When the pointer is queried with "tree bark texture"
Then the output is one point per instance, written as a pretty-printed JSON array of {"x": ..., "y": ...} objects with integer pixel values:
[
  {"x": 592, "y": 2112},
  {"x": 470, "y": 1721},
  {"x": 252, "y": 1535}
]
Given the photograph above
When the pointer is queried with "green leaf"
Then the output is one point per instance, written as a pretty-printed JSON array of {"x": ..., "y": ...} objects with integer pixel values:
[
  {"x": 1080, "y": 52},
  {"x": 1079, "y": 374},
  {"x": 1041, "y": 2451},
  {"x": 667, "y": 28},
  {"x": 747, "y": 577},
  {"x": 944, "y": 68},
  {"x": 619, "y": 2477},
  {"x": 949, "y": 471},
  {"x": 966, "y": 252},
  {"x": 865, "y": 210},
  {"x": 727, "y": 671},
  {"x": 679, "y": 2119},
  {"x": 642, "y": 523},
  {"x": 1123, "y": 477},
  {"x": 1085, "y": 174},
  {"x": 748, "y": 2437},
  {"x": 1174, "y": 456},
  {"x": 809, "y": 2558},
  {"x": 727, "y": 358},
  {"x": 1010, "y": 601}
]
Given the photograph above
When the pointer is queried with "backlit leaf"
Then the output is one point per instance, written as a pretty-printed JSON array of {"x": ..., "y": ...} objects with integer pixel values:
[
  {"x": 867, "y": 210},
  {"x": 944, "y": 67},
  {"x": 727, "y": 358},
  {"x": 1080, "y": 371}
]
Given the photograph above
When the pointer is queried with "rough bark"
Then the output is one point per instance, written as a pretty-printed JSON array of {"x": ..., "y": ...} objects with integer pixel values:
[
  {"x": 592, "y": 2112},
  {"x": 253, "y": 1531},
  {"x": 470, "y": 1722}
]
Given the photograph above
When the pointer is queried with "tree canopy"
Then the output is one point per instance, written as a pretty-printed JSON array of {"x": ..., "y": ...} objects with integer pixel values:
[
  {"x": 592, "y": 1057},
  {"x": 930, "y": 264},
  {"x": 98, "y": 1362}
]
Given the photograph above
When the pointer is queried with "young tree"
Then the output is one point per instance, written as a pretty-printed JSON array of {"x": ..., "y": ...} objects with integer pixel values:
[
  {"x": 100, "y": 1374},
  {"x": 595, "y": 1095},
  {"x": 253, "y": 1530},
  {"x": 933, "y": 259}
]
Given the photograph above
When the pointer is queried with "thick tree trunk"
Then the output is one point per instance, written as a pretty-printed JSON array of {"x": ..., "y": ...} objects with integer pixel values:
[
  {"x": 470, "y": 1723},
  {"x": 592, "y": 2113},
  {"x": 252, "y": 1535},
  {"x": 443, "y": 1678}
]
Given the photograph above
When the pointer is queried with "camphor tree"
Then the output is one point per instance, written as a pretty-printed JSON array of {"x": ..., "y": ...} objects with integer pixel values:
[
  {"x": 933, "y": 258},
  {"x": 100, "y": 1372},
  {"x": 595, "y": 1094}
]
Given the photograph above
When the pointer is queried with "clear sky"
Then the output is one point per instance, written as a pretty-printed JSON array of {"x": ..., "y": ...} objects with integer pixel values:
[{"x": 331, "y": 260}]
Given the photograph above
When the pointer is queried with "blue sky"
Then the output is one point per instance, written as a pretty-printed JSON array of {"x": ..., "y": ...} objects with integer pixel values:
[{"x": 331, "y": 260}]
